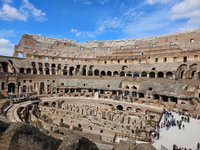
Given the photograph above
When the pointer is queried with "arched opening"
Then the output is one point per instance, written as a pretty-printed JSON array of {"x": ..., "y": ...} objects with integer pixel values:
[
  {"x": 160, "y": 75},
  {"x": 103, "y": 73},
  {"x": 150, "y": 88},
  {"x": 134, "y": 87},
  {"x": 28, "y": 70},
  {"x": 101, "y": 131},
  {"x": 42, "y": 88},
  {"x": 182, "y": 74},
  {"x": 96, "y": 72},
  {"x": 46, "y": 104},
  {"x": 24, "y": 89},
  {"x": 79, "y": 125},
  {"x": 4, "y": 66},
  {"x": 90, "y": 128},
  {"x": 71, "y": 69},
  {"x": 126, "y": 87},
  {"x": 129, "y": 74},
  {"x": 164, "y": 98},
  {"x": 47, "y": 71},
  {"x": 46, "y": 59},
  {"x": 53, "y": 104},
  {"x": 193, "y": 74},
  {"x": 152, "y": 75},
  {"x": 129, "y": 108},
  {"x": 120, "y": 107},
  {"x": 122, "y": 74},
  {"x": 181, "y": 71},
  {"x": 136, "y": 74},
  {"x": 141, "y": 95},
  {"x": 34, "y": 71},
  {"x": 138, "y": 110},
  {"x": 174, "y": 99},
  {"x": 169, "y": 75},
  {"x": 90, "y": 73},
  {"x": 109, "y": 73},
  {"x": 21, "y": 70},
  {"x": 64, "y": 72},
  {"x": 156, "y": 96},
  {"x": 115, "y": 73},
  {"x": 20, "y": 55},
  {"x": 144, "y": 74},
  {"x": 11, "y": 88},
  {"x": 84, "y": 71}
]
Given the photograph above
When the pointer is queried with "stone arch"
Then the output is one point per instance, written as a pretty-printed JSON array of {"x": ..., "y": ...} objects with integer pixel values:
[
  {"x": 144, "y": 74},
  {"x": 96, "y": 72},
  {"x": 126, "y": 87},
  {"x": 122, "y": 74},
  {"x": 4, "y": 66},
  {"x": 139, "y": 110},
  {"x": 65, "y": 70},
  {"x": 169, "y": 75},
  {"x": 11, "y": 87},
  {"x": 46, "y": 104},
  {"x": 79, "y": 125},
  {"x": 120, "y": 107},
  {"x": 134, "y": 87},
  {"x": 24, "y": 89},
  {"x": 34, "y": 70},
  {"x": 42, "y": 88},
  {"x": 160, "y": 75},
  {"x": 115, "y": 73},
  {"x": 90, "y": 73},
  {"x": 103, "y": 73},
  {"x": 53, "y": 104},
  {"x": 136, "y": 74},
  {"x": 71, "y": 70},
  {"x": 28, "y": 70},
  {"x": 20, "y": 55},
  {"x": 90, "y": 127},
  {"x": 181, "y": 71},
  {"x": 109, "y": 73},
  {"x": 156, "y": 96},
  {"x": 129, "y": 74},
  {"x": 21, "y": 70},
  {"x": 47, "y": 72},
  {"x": 152, "y": 74}
]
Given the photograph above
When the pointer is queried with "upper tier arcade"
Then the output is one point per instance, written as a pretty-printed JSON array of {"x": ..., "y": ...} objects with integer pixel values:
[{"x": 33, "y": 46}]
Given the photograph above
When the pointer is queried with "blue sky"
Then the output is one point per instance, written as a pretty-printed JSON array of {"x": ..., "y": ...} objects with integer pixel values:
[{"x": 85, "y": 20}]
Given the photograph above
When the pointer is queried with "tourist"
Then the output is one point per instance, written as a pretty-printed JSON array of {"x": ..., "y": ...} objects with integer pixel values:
[
  {"x": 183, "y": 126},
  {"x": 198, "y": 145}
]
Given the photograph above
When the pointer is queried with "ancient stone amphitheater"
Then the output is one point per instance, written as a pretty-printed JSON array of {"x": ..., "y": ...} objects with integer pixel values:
[{"x": 98, "y": 94}]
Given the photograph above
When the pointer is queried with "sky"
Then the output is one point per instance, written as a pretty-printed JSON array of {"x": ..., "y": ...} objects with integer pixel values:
[{"x": 89, "y": 20}]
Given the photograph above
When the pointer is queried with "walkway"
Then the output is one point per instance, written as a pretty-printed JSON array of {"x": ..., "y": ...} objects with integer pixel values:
[{"x": 187, "y": 138}]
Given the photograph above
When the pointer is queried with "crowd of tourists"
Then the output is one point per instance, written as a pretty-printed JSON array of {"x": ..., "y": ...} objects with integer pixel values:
[
  {"x": 175, "y": 147},
  {"x": 171, "y": 121}
]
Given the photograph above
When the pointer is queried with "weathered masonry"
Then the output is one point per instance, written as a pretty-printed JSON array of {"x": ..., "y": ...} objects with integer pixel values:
[{"x": 113, "y": 88}]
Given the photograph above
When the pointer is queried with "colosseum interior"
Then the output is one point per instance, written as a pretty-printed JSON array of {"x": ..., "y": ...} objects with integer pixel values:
[{"x": 105, "y": 91}]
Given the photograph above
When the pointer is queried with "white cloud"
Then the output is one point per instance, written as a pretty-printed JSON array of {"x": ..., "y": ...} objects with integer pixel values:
[
  {"x": 38, "y": 14},
  {"x": 7, "y": 33},
  {"x": 107, "y": 25},
  {"x": 83, "y": 34},
  {"x": 90, "y": 2},
  {"x": 187, "y": 9},
  {"x": 6, "y": 47},
  {"x": 10, "y": 13},
  {"x": 152, "y": 2}
]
